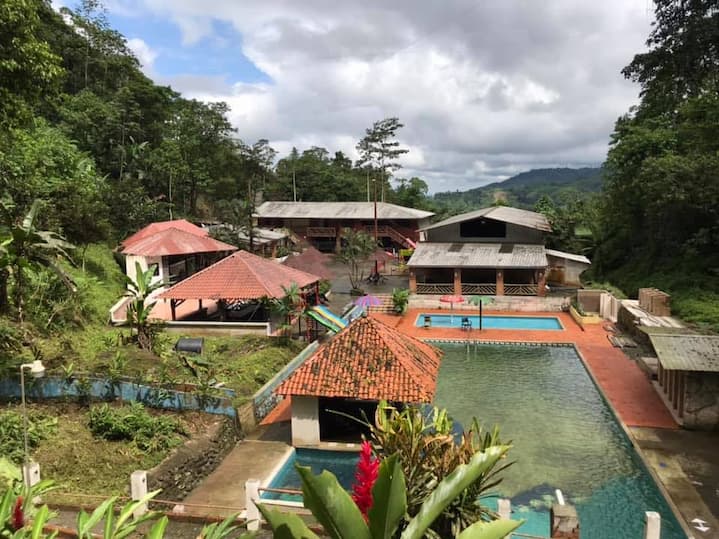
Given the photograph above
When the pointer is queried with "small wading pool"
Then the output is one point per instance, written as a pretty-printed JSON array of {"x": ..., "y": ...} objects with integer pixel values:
[
  {"x": 340, "y": 463},
  {"x": 491, "y": 321}
]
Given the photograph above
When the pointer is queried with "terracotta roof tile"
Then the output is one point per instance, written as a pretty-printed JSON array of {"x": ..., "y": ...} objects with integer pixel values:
[
  {"x": 312, "y": 261},
  {"x": 368, "y": 360},
  {"x": 174, "y": 241},
  {"x": 154, "y": 228},
  {"x": 240, "y": 276}
]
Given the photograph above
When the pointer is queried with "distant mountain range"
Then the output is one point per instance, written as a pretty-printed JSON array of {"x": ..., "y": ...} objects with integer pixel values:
[{"x": 524, "y": 189}]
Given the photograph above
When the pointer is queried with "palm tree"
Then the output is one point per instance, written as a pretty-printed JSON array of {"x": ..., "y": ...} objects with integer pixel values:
[
  {"x": 289, "y": 305},
  {"x": 24, "y": 248}
]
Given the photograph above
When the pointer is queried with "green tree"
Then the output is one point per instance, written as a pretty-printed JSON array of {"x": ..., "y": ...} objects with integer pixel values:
[
  {"x": 379, "y": 150},
  {"x": 355, "y": 252},
  {"x": 29, "y": 70}
]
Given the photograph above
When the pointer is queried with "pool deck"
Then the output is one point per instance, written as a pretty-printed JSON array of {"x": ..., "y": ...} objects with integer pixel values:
[{"x": 623, "y": 383}]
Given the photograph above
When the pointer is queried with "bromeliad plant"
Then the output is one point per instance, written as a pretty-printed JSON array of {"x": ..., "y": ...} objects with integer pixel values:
[
  {"x": 340, "y": 517},
  {"x": 429, "y": 451}
]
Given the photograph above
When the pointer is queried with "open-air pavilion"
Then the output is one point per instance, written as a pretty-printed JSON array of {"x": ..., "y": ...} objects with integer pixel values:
[
  {"x": 366, "y": 362},
  {"x": 239, "y": 285}
]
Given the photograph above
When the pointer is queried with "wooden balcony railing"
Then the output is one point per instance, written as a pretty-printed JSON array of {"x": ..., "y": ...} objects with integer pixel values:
[
  {"x": 487, "y": 289},
  {"x": 321, "y": 232},
  {"x": 435, "y": 288},
  {"x": 521, "y": 289}
]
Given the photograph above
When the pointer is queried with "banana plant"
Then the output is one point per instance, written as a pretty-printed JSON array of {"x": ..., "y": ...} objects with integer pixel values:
[{"x": 340, "y": 518}]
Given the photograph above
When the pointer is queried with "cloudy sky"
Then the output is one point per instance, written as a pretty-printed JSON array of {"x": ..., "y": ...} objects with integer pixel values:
[{"x": 485, "y": 89}]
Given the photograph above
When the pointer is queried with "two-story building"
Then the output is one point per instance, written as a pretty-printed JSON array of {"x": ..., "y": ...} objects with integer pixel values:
[
  {"x": 492, "y": 251},
  {"x": 324, "y": 223}
]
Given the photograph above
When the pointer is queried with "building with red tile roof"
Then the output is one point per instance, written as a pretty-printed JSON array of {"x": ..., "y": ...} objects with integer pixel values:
[
  {"x": 366, "y": 361},
  {"x": 312, "y": 261},
  {"x": 240, "y": 277},
  {"x": 175, "y": 241}
]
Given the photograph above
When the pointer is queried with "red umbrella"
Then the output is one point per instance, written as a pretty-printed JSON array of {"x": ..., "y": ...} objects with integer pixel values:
[{"x": 451, "y": 299}]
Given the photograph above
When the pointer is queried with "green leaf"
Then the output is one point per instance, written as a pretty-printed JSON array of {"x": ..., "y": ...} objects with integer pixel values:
[
  {"x": 158, "y": 529},
  {"x": 389, "y": 499},
  {"x": 331, "y": 505},
  {"x": 86, "y": 523},
  {"x": 39, "y": 523},
  {"x": 286, "y": 525},
  {"x": 451, "y": 487},
  {"x": 497, "y": 529}
]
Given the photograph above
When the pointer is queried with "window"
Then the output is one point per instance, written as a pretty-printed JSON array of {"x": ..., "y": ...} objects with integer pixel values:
[{"x": 483, "y": 228}]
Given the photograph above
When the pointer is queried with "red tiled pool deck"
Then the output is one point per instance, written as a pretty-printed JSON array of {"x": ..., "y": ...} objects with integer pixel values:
[{"x": 624, "y": 385}]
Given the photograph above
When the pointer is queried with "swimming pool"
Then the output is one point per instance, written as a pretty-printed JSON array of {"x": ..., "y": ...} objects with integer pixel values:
[
  {"x": 491, "y": 321},
  {"x": 340, "y": 463},
  {"x": 564, "y": 436}
]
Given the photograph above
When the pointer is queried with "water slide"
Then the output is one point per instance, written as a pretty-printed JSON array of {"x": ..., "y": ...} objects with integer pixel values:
[{"x": 327, "y": 318}]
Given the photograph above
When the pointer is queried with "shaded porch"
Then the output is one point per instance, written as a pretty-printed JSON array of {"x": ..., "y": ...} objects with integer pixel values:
[{"x": 484, "y": 281}]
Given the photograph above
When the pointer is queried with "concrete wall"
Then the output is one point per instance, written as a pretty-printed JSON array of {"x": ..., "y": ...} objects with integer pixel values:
[
  {"x": 701, "y": 401},
  {"x": 200, "y": 329},
  {"x": 146, "y": 262},
  {"x": 590, "y": 300},
  {"x": 501, "y": 303},
  {"x": 565, "y": 271},
  {"x": 515, "y": 234},
  {"x": 305, "y": 421}
]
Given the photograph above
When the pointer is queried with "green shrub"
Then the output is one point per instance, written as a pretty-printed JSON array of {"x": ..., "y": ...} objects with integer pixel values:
[
  {"x": 133, "y": 422},
  {"x": 40, "y": 427}
]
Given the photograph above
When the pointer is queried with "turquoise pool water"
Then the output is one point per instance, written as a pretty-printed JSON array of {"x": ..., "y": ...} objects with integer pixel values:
[
  {"x": 563, "y": 433},
  {"x": 491, "y": 322},
  {"x": 340, "y": 463}
]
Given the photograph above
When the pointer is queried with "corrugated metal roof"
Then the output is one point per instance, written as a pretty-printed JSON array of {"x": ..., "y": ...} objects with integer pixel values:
[
  {"x": 686, "y": 352},
  {"x": 568, "y": 256},
  {"x": 240, "y": 276},
  {"x": 371, "y": 361},
  {"x": 337, "y": 210},
  {"x": 506, "y": 214},
  {"x": 478, "y": 255},
  {"x": 173, "y": 241}
]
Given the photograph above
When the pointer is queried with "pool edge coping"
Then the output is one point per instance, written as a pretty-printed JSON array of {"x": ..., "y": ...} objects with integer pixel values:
[
  {"x": 625, "y": 428},
  {"x": 471, "y": 313}
]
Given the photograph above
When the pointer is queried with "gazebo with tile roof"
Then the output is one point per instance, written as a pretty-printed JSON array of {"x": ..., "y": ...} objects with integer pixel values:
[
  {"x": 237, "y": 279},
  {"x": 366, "y": 362}
]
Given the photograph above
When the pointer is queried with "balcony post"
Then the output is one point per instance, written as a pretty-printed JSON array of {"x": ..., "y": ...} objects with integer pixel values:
[
  {"x": 500, "y": 282},
  {"x": 541, "y": 283},
  {"x": 412, "y": 280},
  {"x": 458, "y": 281}
]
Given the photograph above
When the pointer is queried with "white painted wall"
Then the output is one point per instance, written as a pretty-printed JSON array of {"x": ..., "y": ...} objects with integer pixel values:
[
  {"x": 305, "y": 421},
  {"x": 146, "y": 262}
]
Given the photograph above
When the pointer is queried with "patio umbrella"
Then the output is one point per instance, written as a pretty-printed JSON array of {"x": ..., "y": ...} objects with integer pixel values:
[
  {"x": 480, "y": 300},
  {"x": 368, "y": 301},
  {"x": 451, "y": 299}
]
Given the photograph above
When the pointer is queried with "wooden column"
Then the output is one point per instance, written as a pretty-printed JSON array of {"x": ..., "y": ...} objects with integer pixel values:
[
  {"x": 682, "y": 392},
  {"x": 457, "y": 281},
  {"x": 172, "y": 310},
  {"x": 412, "y": 281},
  {"x": 541, "y": 283},
  {"x": 500, "y": 282},
  {"x": 338, "y": 239}
]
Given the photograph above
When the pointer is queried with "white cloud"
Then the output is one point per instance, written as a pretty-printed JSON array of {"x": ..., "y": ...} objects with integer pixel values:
[
  {"x": 144, "y": 53},
  {"x": 485, "y": 89}
]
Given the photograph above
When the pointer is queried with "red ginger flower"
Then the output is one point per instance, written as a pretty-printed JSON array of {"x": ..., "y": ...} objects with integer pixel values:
[
  {"x": 18, "y": 517},
  {"x": 365, "y": 476}
]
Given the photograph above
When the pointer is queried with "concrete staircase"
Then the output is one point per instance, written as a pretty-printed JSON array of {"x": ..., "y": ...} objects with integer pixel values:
[{"x": 385, "y": 307}]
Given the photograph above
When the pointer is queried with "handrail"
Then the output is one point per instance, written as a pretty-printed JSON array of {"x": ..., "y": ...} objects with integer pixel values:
[{"x": 435, "y": 288}]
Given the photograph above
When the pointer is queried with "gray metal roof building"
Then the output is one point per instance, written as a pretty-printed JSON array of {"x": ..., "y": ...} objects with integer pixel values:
[
  {"x": 505, "y": 214},
  {"x": 337, "y": 210},
  {"x": 686, "y": 352},
  {"x": 478, "y": 255}
]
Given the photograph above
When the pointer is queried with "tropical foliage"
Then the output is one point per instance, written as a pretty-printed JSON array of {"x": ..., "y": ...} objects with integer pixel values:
[
  {"x": 355, "y": 252},
  {"x": 140, "y": 306}
]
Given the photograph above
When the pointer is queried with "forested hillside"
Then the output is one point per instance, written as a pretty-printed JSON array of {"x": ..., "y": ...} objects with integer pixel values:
[
  {"x": 660, "y": 213},
  {"x": 526, "y": 188}
]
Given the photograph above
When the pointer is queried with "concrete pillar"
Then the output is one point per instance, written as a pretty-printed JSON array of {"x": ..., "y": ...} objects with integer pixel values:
[
  {"x": 138, "y": 490},
  {"x": 338, "y": 239},
  {"x": 305, "y": 421},
  {"x": 500, "y": 282},
  {"x": 412, "y": 280},
  {"x": 253, "y": 516},
  {"x": 504, "y": 508},
  {"x": 31, "y": 473},
  {"x": 682, "y": 392},
  {"x": 564, "y": 522},
  {"x": 653, "y": 526},
  {"x": 458, "y": 281},
  {"x": 541, "y": 283}
]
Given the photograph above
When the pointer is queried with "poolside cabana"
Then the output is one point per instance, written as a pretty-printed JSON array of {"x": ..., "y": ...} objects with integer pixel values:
[
  {"x": 366, "y": 362},
  {"x": 688, "y": 376},
  {"x": 178, "y": 249},
  {"x": 238, "y": 283}
]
